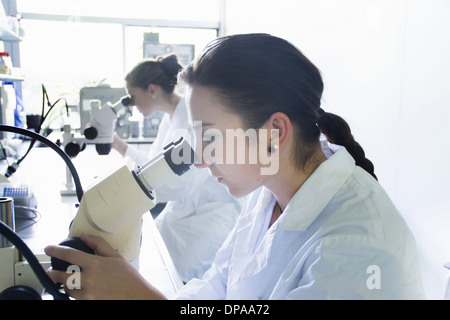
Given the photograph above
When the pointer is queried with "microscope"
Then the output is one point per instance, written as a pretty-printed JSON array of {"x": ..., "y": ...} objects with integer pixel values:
[
  {"x": 112, "y": 208},
  {"x": 100, "y": 130}
]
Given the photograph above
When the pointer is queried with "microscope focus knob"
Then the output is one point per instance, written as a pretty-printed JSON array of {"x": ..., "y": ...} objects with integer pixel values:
[
  {"x": 72, "y": 149},
  {"x": 90, "y": 133},
  {"x": 20, "y": 292},
  {"x": 72, "y": 242}
]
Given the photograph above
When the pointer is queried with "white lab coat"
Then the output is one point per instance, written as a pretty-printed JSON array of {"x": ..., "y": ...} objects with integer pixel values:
[
  {"x": 340, "y": 237},
  {"x": 199, "y": 212}
]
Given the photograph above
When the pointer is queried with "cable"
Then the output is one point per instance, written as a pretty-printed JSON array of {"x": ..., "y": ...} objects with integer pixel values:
[
  {"x": 9, "y": 234},
  {"x": 13, "y": 167},
  {"x": 34, "y": 135},
  {"x": 43, "y": 277},
  {"x": 34, "y": 219},
  {"x": 38, "y": 129},
  {"x": 4, "y": 152}
]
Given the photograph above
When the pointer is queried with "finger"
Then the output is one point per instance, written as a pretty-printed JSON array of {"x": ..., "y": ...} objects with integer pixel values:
[
  {"x": 77, "y": 294},
  {"x": 57, "y": 276},
  {"x": 68, "y": 254},
  {"x": 62, "y": 278},
  {"x": 101, "y": 247}
]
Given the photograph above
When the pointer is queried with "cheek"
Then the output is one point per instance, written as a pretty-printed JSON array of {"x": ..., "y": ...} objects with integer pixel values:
[
  {"x": 240, "y": 179},
  {"x": 145, "y": 112},
  {"x": 143, "y": 107}
]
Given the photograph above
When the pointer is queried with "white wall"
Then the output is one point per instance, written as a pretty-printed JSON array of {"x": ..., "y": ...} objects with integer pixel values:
[{"x": 386, "y": 67}]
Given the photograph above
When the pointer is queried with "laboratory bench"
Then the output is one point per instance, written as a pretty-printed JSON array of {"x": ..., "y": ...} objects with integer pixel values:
[{"x": 44, "y": 172}]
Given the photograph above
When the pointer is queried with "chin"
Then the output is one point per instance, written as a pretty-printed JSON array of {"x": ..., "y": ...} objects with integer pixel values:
[
  {"x": 237, "y": 192},
  {"x": 146, "y": 114}
]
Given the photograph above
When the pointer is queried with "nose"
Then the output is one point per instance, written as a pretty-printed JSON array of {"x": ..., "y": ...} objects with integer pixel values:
[
  {"x": 200, "y": 163},
  {"x": 200, "y": 160}
]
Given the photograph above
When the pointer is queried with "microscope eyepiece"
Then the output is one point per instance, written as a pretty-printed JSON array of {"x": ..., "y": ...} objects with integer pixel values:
[
  {"x": 103, "y": 148},
  {"x": 179, "y": 156},
  {"x": 176, "y": 158},
  {"x": 127, "y": 101}
]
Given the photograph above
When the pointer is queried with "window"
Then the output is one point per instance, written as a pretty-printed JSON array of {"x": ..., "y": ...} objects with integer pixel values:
[
  {"x": 182, "y": 10},
  {"x": 69, "y": 45}
]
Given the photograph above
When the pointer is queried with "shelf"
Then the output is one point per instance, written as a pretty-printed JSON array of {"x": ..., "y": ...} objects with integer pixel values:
[
  {"x": 8, "y": 35},
  {"x": 8, "y": 77}
]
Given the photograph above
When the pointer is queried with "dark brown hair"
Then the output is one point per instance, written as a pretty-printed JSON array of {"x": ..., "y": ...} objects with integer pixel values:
[
  {"x": 257, "y": 75},
  {"x": 161, "y": 71}
]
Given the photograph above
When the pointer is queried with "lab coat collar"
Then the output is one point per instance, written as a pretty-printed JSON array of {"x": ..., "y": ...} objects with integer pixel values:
[
  {"x": 306, "y": 205},
  {"x": 180, "y": 112},
  {"x": 172, "y": 128},
  {"x": 317, "y": 191}
]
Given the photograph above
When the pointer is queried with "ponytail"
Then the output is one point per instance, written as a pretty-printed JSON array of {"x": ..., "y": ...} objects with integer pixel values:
[
  {"x": 338, "y": 132},
  {"x": 161, "y": 71},
  {"x": 170, "y": 66}
]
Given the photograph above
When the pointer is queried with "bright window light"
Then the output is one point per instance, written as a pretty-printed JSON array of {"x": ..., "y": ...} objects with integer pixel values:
[
  {"x": 193, "y": 10},
  {"x": 68, "y": 55}
]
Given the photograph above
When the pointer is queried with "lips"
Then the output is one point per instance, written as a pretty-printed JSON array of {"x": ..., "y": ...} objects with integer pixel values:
[{"x": 219, "y": 178}]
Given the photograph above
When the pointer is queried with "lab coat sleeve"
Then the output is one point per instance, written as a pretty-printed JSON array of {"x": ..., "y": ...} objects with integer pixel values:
[
  {"x": 354, "y": 267},
  {"x": 193, "y": 239},
  {"x": 137, "y": 156},
  {"x": 213, "y": 285}
]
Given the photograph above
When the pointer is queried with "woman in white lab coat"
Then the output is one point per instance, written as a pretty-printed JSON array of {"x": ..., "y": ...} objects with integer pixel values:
[
  {"x": 199, "y": 212},
  {"x": 317, "y": 225}
]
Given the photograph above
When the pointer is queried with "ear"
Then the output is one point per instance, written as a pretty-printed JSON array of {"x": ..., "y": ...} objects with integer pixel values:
[
  {"x": 279, "y": 128},
  {"x": 152, "y": 89}
]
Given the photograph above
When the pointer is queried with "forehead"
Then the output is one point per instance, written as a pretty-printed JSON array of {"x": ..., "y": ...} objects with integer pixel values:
[
  {"x": 204, "y": 105},
  {"x": 132, "y": 89}
]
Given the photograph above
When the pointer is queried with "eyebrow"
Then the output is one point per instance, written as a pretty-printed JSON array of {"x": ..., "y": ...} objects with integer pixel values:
[{"x": 202, "y": 124}]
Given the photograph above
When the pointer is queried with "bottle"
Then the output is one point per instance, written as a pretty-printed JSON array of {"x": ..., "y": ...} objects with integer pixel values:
[{"x": 5, "y": 63}]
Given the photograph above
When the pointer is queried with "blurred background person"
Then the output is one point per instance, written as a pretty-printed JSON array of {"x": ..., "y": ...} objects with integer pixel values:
[{"x": 199, "y": 212}]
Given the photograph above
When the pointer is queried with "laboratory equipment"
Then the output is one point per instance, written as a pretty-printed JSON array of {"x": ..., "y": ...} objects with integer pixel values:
[
  {"x": 112, "y": 209},
  {"x": 22, "y": 273},
  {"x": 125, "y": 128},
  {"x": 151, "y": 124},
  {"x": 100, "y": 130},
  {"x": 5, "y": 63},
  {"x": 103, "y": 93},
  {"x": 8, "y": 104},
  {"x": 103, "y": 123},
  {"x": 25, "y": 202},
  {"x": 16, "y": 277}
]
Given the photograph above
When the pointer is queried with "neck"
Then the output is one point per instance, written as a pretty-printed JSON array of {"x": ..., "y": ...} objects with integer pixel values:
[
  {"x": 169, "y": 105},
  {"x": 289, "y": 179}
]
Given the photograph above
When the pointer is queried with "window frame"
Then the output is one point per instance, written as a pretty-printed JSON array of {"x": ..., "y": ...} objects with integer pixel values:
[
  {"x": 10, "y": 7},
  {"x": 130, "y": 22}
]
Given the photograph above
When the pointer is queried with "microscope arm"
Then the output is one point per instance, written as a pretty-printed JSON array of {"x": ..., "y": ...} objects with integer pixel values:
[{"x": 114, "y": 206}]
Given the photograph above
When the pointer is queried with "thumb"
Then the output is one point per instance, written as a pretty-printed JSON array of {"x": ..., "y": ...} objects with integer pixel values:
[{"x": 99, "y": 245}]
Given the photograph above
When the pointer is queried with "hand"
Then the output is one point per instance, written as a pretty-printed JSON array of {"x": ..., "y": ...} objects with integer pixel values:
[
  {"x": 120, "y": 145},
  {"x": 105, "y": 276}
]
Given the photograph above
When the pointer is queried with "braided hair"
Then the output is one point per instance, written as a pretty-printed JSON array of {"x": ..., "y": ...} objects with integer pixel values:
[{"x": 338, "y": 132}]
